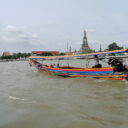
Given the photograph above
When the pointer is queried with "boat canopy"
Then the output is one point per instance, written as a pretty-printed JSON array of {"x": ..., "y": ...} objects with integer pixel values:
[{"x": 79, "y": 55}]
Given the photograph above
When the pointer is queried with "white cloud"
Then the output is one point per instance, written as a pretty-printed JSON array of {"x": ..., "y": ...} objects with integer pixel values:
[
  {"x": 17, "y": 33},
  {"x": 11, "y": 28},
  {"x": 16, "y": 37},
  {"x": 90, "y": 30},
  {"x": 126, "y": 41}
]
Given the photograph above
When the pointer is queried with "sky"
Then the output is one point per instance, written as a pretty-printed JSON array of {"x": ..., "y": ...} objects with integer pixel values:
[{"x": 30, "y": 25}]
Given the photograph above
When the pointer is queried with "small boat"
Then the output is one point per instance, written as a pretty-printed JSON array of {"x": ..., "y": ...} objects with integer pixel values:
[{"x": 115, "y": 72}]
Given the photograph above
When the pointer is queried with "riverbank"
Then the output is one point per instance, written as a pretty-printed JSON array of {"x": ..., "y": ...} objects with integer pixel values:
[{"x": 7, "y": 60}]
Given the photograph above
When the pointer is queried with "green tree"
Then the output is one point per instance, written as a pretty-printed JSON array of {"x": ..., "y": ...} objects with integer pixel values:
[
  {"x": 6, "y": 57},
  {"x": 20, "y": 55},
  {"x": 14, "y": 56},
  {"x": 89, "y": 51},
  {"x": 114, "y": 46},
  {"x": 61, "y": 54},
  {"x": 45, "y": 54}
]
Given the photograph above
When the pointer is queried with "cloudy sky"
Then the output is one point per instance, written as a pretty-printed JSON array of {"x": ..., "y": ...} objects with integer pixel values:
[{"x": 27, "y": 25}]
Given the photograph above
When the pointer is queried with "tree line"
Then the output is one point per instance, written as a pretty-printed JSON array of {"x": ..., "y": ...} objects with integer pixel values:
[
  {"x": 113, "y": 46},
  {"x": 16, "y": 56}
]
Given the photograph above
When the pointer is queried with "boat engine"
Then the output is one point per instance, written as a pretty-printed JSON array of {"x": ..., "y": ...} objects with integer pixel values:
[{"x": 117, "y": 64}]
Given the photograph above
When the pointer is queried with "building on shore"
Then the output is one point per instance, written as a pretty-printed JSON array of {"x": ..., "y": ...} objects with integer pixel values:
[
  {"x": 53, "y": 53},
  {"x": 6, "y": 54},
  {"x": 84, "y": 47},
  {"x": 69, "y": 52}
]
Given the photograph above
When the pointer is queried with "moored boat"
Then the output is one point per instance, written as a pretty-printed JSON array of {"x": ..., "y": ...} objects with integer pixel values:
[{"x": 115, "y": 72}]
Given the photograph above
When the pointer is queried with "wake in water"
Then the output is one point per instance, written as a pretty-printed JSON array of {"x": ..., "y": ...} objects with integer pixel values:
[
  {"x": 16, "y": 98},
  {"x": 20, "y": 99}
]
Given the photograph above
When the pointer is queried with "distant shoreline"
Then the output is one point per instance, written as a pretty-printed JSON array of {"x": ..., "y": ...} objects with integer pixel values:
[{"x": 8, "y": 60}]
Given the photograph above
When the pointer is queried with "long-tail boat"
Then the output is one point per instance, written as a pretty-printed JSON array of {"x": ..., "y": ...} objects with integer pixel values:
[{"x": 116, "y": 70}]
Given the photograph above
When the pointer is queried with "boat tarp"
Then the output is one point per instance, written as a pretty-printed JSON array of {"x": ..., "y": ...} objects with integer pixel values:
[{"x": 79, "y": 55}]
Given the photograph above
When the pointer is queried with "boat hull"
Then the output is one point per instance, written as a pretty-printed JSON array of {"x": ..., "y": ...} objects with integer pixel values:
[{"x": 99, "y": 73}]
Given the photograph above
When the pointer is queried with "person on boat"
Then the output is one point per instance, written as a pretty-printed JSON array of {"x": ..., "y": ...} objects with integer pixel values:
[
  {"x": 97, "y": 65},
  {"x": 53, "y": 66},
  {"x": 58, "y": 66},
  {"x": 50, "y": 65}
]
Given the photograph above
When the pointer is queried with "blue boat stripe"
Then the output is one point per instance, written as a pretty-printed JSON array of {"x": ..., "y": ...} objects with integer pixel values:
[{"x": 80, "y": 72}]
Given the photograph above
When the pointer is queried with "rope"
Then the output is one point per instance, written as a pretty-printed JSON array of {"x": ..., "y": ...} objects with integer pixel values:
[{"x": 87, "y": 64}]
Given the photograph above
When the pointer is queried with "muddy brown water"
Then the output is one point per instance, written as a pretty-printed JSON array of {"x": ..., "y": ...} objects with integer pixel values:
[{"x": 32, "y": 99}]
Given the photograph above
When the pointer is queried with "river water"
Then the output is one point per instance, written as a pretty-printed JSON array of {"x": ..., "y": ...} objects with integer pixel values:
[{"x": 32, "y": 99}]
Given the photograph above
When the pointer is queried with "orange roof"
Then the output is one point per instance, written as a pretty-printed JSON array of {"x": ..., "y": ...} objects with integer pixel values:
[
  {"x": 6, "y": 54},
  {"x": 40, "y": 52}
]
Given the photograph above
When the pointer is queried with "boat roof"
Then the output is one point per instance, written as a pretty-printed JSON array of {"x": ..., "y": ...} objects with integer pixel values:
[{"x": 79, "y": 55}]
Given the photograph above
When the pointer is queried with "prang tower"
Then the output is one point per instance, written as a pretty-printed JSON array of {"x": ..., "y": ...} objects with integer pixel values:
[{"x": 84, "y": 47}]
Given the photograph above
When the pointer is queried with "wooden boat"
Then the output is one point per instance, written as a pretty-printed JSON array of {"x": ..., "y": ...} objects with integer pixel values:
[{"x": 68, "y": 71}]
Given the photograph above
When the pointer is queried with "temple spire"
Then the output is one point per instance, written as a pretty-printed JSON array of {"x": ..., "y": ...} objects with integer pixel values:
[
  {"x": 84, "y": 33},
  {"x": 70, "y": 49},
  {"x": 100, "y": 48},
  {"x": 84, "y": 47}
]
